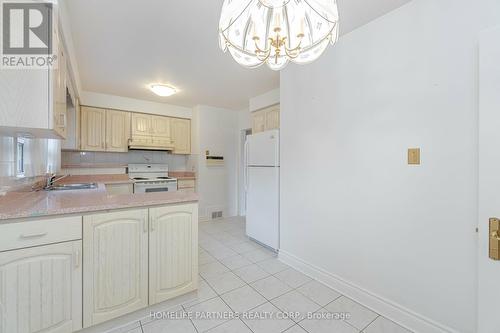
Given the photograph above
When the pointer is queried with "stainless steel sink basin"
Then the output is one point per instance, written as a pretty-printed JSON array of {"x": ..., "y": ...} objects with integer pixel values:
[{"x": 67, "y": 187}]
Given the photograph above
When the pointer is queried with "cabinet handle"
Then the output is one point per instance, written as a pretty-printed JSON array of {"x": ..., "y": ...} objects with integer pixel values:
[
  {"x": 151, "y": 224},
  {"x": 27, "y": 236},
  {"x": 77, "y": 258}
]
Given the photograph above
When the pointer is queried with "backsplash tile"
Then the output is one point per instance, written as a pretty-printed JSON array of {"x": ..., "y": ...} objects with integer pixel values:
[{"x": 175, "y": 162}]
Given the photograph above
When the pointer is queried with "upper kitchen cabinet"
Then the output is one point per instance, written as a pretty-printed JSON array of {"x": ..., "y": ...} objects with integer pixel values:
[
  {"x": 151, "y": 132},
  {"x": 161, "y": 131},
  {"x": 59, "y": 83},
  {"x": 93, "y": 129},
  {"x": 117, "y": 131},
  {"x": 266, "y": 119},
  {"x": 181, "y": 134},
  {"x": 104, "y": 130},
  {"x": 33, "y": 101},
  {"x": 160, "y": 127},
  {"x": 141, "y": 125}
]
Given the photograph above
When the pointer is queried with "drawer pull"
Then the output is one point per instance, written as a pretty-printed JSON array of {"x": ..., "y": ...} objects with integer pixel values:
[
  {"x": 77, "y": 259},
  {"x": 28, "y": 236}
]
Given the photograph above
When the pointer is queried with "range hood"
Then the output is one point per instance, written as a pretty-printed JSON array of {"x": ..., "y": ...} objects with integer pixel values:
[{"x": 161, "y": 145}]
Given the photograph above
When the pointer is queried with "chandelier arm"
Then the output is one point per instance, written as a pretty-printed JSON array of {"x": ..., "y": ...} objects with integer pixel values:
[
  {"x": 258, "y": 51},
  {"x": 287, "y": 52}
]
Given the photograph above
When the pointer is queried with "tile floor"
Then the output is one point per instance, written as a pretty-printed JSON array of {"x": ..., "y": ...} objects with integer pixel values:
[{"x": 239, "y": 276}]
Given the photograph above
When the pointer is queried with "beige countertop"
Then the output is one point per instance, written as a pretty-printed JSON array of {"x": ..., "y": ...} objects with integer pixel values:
[
  {"x": 16, "y": 205},
  {"x": 105, "y": 179},
  {"x": 182, "y": 175}
]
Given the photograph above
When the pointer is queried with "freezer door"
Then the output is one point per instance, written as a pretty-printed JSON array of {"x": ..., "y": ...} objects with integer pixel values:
[
  {"x": 263, "y": 149},
  {"x": 262, "y": 222}
]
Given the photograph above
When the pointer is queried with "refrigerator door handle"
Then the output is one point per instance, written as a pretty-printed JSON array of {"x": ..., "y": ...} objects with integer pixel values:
[{"x": 245, "y": 169}]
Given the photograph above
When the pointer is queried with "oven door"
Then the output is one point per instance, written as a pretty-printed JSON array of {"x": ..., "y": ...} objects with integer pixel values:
[{"x": 150, "y": 187}]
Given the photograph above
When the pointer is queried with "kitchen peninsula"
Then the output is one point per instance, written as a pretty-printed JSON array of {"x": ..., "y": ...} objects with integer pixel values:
[{"x": 97, "y": 255}]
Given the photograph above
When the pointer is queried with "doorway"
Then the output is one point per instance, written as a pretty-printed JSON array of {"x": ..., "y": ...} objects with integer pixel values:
[
  {"x": 489, "y": 178},
  {"x": 242, "y": 198}
]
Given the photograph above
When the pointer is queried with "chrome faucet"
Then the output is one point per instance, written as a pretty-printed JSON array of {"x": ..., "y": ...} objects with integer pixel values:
[{"x": 52, "y": 179}]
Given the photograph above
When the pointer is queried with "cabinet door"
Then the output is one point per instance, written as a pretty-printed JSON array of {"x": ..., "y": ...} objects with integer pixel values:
[
  {"x": 117, "y": 131},
  {"x": 181, "y": 131},
  {"x": 161, "y": 127},
  {"x": 59, "y": 85},
  {"x": 93, "y": 127},
  {"x": 115, "y": 274},
  {"x": 258, "y": 122},
  {"x": 141, "y": 124},
  {"x": 272, "y": 118},
  {"x": 41, "y": 289},
  {"x": 173, "y": 252}
]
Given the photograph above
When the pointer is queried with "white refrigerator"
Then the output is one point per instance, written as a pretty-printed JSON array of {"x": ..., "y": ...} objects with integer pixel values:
[{"x": 262, "y": 183}]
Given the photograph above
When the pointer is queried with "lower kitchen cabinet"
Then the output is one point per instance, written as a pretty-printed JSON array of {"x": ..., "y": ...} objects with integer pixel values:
[
  {"x": 41, "y": 289},
  {"x": 173, "y": 251},
  {"x": 115, "y": 275},
  {"x": 117, "y": 189}
]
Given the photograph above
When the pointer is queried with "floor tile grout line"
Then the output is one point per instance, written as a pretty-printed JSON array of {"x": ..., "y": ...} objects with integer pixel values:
[
  {"x": 274, "y": 275},
  {"x": 371, "y": 322},
  {"x": 249, "y": 284}
]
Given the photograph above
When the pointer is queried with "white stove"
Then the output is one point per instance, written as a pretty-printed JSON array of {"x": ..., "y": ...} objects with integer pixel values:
[{"x": 151, "y": 178}]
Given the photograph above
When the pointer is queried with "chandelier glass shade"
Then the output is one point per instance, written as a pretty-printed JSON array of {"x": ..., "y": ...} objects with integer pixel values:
[{"x": 277, "y": 31}]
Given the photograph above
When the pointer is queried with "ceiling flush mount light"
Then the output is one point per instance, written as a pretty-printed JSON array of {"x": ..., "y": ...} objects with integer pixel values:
[
  {"x": 277, "y": 31},
  {"x": 163, "y": 90}
]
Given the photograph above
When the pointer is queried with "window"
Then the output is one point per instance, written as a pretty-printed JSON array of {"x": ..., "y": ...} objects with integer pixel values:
[{"x": 20, "y": 157}]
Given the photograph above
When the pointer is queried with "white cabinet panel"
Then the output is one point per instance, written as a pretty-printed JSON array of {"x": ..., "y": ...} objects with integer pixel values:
[
  {"x": 41, "y": 289},
  {"x": 173, "y": 252},
  {"x": 266, "y": 119},
  {"x": 181, "y": 131},
  {"x": 117, "y": 131},
  {"x": 93, "y": 129},
  {"x": 115, "y": 264}
]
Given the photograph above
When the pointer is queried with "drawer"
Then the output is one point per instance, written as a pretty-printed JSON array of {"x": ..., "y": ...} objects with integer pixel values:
[
  {"x": 116, "y": 189},
  {"x": 186, "y": 183},
  {"x": 186, "y": 190},
  {"x": 40, "y": 232}
]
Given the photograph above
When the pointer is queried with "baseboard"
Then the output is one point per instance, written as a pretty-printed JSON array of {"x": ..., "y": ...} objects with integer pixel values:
[{"x": 393, "y": 311}]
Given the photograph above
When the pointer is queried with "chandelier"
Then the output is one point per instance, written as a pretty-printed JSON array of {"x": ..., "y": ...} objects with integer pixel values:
[{"x": 277, "y": 31}]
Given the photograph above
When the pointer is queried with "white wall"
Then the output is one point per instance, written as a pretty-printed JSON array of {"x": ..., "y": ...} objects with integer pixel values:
[
  {"x": 263, "y": 101},
  {"x": 134, "y": 105},
  {"x": 215, "y": 130},
  {"x": 399, "y": 237}
]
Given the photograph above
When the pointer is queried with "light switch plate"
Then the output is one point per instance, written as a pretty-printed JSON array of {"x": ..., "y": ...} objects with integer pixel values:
[{"x": 414, "y": 156}]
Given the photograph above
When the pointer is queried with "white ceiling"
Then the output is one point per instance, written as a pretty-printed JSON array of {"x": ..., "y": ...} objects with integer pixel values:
[{"x": 123, "y": 45}]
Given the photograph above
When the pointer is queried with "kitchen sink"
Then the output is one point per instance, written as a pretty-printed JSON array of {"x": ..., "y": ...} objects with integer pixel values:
[{"x": 67, "y": 187}]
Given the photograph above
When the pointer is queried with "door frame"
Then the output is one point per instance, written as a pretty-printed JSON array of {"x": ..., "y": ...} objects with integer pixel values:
[
  {"x": 244, "y": 133},
  {"x": 488, "y": 273}
]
